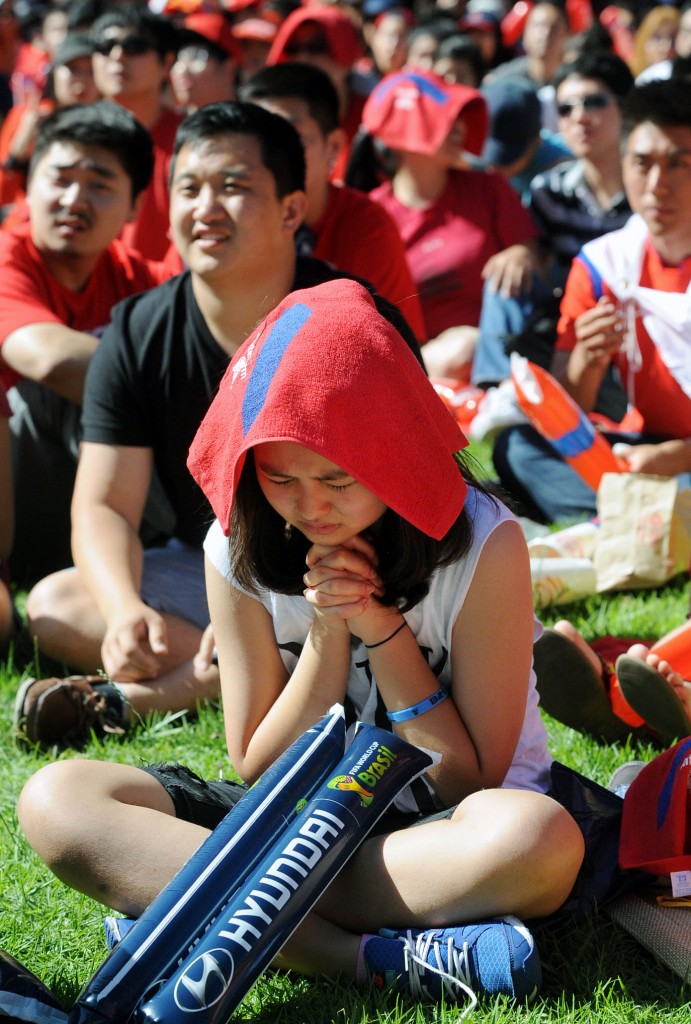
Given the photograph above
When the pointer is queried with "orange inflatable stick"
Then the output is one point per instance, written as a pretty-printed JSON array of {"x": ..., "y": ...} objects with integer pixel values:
[
  {"x": 513, "y": 23},
  {"x": 676, "y": 649},
  {"x": 580, "y": 15},
  {"x": 462, "y": 400},
  {"x": 562, "y": 422}
]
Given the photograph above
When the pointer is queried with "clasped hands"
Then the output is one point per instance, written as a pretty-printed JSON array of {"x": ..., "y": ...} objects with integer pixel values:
[{"x": 342, "y": 584}]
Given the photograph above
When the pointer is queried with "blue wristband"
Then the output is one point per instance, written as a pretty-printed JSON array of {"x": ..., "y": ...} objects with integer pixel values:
[{"x": 415, "y": 710}]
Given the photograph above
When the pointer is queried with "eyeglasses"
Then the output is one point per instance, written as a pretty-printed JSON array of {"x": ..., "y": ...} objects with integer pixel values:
[
  {"x": 316, "y": 47},
  {"x": 131, "y": 46},
  {"x": 594, "y": 101},
  {"x": 194, "y": 56}
]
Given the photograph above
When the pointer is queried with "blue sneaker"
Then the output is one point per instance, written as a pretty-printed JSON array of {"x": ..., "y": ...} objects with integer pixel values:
[
  {"x": 495, "y": 957},
  {"x": 116, "y": 928}
]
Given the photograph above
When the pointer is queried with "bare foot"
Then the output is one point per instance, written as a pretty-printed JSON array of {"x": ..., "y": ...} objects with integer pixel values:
[
  {"x": 678, "y": 684},
  {"x": 571, "y": 633}
]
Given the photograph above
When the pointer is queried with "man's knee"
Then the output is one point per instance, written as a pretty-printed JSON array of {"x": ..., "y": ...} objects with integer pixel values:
[{"x": 56, "y": 600}]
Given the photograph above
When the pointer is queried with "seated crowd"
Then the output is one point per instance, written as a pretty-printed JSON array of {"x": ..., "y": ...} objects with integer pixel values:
[{"x": 168, "y": 179}]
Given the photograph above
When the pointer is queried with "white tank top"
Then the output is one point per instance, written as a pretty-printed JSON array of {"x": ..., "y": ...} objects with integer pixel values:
[{"x": 431, "y": 622}]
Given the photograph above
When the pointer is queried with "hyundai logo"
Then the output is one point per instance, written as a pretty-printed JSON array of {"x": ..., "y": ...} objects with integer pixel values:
[{"x": 205, "y": 981}]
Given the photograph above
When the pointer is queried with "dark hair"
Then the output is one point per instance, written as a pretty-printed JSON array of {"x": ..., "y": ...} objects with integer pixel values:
[
  {"x": 370, "y": 162},
  {"x": 601, "y": 66},
  {"x": 160, "y": 30},
  {"x": 437, "y": 26},
  {"x": 293, "y": 80},
  {"x": 665, "y": 104},
  {"x": 280, "y": 145},
  {"x": 265, "y": 555},
  {"x": 595, "y": 37},
  {"x": 681, "y": 66},
  {"x": 81, "y": 14},
  {"x": 462, "y": 47},
  {"x": 103, "y": 124}
]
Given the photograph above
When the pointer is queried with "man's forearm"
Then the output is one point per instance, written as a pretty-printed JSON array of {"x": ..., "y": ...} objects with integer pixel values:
[
  {"x": 108, "y": 553},
  {"x": 52, "y": 355}
]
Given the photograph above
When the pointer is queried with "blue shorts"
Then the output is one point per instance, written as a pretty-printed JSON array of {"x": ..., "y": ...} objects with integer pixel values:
[{"x": 173, "y": 582}]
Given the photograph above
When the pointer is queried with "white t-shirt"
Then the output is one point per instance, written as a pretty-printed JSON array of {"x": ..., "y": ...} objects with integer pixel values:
[{"x": 431, "y": 622}]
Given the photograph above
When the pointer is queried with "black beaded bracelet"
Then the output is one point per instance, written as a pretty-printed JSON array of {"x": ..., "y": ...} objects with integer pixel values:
[{"x": 381, "y": 643}]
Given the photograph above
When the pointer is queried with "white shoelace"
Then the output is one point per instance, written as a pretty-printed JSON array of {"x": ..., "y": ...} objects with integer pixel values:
[{"x": 416, "y": 951}]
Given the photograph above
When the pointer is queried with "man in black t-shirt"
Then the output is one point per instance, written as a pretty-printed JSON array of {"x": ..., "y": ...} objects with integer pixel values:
[{"x": 237, "y": 198}]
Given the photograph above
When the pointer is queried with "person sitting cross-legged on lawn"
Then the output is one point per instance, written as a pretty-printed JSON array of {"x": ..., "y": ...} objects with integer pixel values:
[
  {"x": 573, "y": 203},
  {"x": 626, "y": 303},
  {"x": 616, "y": 687},
  {"x": 353, "y": 561},
  {"x": 460, "y": 226},
  {"x": 139, "y": 612},
  {"x": 60, "y": 275}
]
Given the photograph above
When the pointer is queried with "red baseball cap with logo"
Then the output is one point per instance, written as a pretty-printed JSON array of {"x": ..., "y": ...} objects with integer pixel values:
[
  {"x": 215, "y": 28},
  {"x": 415, "y": 110},
  {"x": 656, "y": 818}
]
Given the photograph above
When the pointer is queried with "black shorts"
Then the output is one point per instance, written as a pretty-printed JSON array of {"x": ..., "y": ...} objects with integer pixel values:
[{"x": 206, "y": 803}]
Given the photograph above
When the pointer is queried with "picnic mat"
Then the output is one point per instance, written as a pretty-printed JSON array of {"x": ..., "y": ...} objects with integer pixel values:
[{"x": 664, "y": 930}]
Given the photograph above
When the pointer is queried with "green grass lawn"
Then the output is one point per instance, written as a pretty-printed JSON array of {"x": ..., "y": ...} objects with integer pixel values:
[{"x": 595, "y": 972}]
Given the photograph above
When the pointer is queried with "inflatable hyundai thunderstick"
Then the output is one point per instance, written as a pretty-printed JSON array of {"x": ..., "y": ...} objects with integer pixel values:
[{"x": 203, "y": 942}]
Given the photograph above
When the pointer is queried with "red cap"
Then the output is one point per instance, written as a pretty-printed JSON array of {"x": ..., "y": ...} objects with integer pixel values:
[
  {"x": 255, "y": 28},
  {"x": 478, "y": 21},
  {"x": 345, "y": 42},
  {"x": 656, "y": 819},
  {"x": 215, "y": 28},
  {"x": 414, "y": 111},
  {"x": 326, "y": 371}
]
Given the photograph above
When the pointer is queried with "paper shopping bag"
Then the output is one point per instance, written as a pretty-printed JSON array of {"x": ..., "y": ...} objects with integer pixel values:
[{"x": 645, "y": 531}]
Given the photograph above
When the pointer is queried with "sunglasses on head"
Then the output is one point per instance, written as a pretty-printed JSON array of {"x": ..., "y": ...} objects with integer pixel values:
[
  {"x": 595, "y": 101},
  {"x": 131, "y": 46},
  {"x": 317, "y": 47}
]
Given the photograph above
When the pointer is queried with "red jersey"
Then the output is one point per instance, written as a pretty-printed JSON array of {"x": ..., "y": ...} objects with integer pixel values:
[
  {"x": 448, "y": 243},
  {"x": 29, "y": 294}
]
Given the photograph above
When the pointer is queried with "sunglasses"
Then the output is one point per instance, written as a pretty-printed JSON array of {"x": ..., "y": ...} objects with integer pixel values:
[
  {"x": 131, "y": 46},
  {"x": 590, "y": 103},
  {"x": 312, "y": 47}
]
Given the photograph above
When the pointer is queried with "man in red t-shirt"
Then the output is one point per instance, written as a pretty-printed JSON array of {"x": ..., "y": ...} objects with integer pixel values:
[
  {"x": 134, "y": 52},
  {"x": 344, "y": 227},
  {"x": 612, "y": 312},
  {"x": 60, "y": 275}
]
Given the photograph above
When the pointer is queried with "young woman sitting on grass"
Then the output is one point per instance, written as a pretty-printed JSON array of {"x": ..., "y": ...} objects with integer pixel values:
[{"x": 353, "y": 561}]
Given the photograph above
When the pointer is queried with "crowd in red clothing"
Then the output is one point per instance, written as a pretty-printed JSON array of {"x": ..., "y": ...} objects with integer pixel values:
[
  {"x": 458, "y": 194},
  {"x": 277, "y": 220}
]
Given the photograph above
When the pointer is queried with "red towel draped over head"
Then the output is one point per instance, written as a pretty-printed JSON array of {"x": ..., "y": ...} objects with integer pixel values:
[{"x": 326, "y": 371}]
